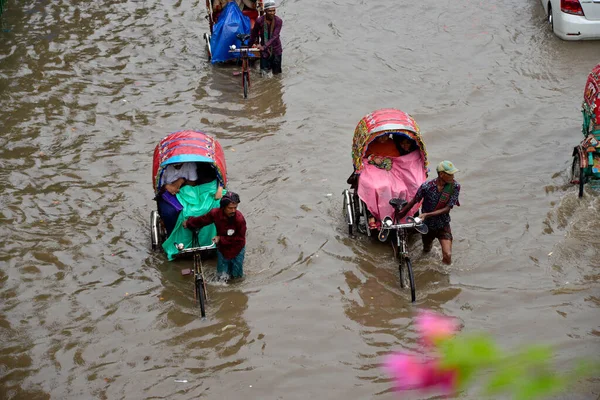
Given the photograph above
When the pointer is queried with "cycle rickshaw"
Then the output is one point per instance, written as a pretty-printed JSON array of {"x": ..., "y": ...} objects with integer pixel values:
[
  {"x": 227, "y": 26},
  {"x": 586, "y": 155},
  {"x": 378, "y": 191},
  {"x": 204, "y": 154}
]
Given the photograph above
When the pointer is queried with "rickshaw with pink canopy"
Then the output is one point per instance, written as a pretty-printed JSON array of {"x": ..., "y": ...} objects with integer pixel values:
[
  {"x": 396, "y": 172},
  {"x": 390, "y": 164}
]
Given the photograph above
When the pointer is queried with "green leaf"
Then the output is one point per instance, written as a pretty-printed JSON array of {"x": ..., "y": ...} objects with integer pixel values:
[
  {"x": 535, "y": 355},
  {"x": 502, "y": 380},
  {"x": 537, "y": 386}
]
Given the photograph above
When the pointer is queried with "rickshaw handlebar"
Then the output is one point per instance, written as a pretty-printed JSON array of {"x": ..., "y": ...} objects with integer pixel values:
[
  {"x": 195, "y": 249},
  {"x": 401, "y": 226},
  {"x": 245, "y": 50}
]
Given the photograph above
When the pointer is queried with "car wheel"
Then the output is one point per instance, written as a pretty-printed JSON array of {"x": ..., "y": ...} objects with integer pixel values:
[{"x": 551, "y": 17}]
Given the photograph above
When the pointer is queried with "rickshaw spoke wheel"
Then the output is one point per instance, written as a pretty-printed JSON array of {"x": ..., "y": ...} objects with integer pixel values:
[
  {"x": 345, "y": 208},
  {"x": 246, "y": 83},
  {"x": 578, "y": 174},
  {"x": 154, "y": 229},
  {"x": 201, "y": 297},
  {"x": 407, "y": 278}
]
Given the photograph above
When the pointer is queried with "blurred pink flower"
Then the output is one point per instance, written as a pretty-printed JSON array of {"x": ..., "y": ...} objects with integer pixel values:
[
  {"x": 406, "y": 370},
  {"x": 412, "y": 372},
  {"x": 434, "y": 327}
]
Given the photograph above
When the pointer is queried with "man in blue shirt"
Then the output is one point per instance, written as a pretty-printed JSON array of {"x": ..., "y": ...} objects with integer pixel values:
[{"x": 439, "y": 196}]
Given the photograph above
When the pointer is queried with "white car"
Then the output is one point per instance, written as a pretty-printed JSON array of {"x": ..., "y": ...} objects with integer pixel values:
[{"x": 574, "y": 19}]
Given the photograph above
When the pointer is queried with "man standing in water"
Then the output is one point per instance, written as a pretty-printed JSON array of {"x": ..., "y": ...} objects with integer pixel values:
[
  {"x": 231, "y": 235},
  {"x": 439, "y": 196},
  {"x": 265, "y": 34}
]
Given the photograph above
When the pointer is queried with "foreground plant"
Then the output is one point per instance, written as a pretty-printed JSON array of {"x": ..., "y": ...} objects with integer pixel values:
[{"x": 450, "y": 361}]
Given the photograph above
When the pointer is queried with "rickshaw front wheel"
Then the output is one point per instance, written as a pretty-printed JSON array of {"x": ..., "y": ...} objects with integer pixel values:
[
  {"x": 578, "y": 174},
  {"x": 407, "y": 277},
  {"x": 245, "y": 83}
]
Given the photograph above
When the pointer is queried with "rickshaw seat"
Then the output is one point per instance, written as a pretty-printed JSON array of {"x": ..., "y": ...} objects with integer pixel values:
[
  {"x": 243, "y": 37},
  {"x": 398, "y": 204}
]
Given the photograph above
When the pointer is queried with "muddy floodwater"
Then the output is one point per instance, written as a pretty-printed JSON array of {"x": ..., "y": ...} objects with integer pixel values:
[{"x": 88, "y": 88}]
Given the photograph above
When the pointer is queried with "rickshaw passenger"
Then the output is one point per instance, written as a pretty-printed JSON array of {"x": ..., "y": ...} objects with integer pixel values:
[
  {"x": 380, "y": 148},
  {"x": 384, "y": 147},
  {"x": 404, "y": 144},
  {"x": 174, "y": 177},
  {"x": 380, "y": 153},
  {"x": 218, "y": 5}
]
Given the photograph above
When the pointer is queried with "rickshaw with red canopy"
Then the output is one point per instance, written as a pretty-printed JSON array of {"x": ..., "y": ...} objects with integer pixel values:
[
  {"x": 586, "y": 156},
  {"x": 206, "y": 155},
  {"x": 380, "y": 186},
  {"x": 372, "y": 187}
]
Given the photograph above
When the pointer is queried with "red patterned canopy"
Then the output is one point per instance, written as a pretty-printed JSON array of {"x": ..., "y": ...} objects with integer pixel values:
[
  {"x": 382, "y": 122},
  {"x": 591, "y": 103},
  {"x": 188, "y": 146}
]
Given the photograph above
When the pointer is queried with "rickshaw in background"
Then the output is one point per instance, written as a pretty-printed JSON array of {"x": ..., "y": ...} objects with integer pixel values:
[
  {"x": 586, "y": 156},
  {"x": 378, "y": 191},
  {"x": 206, "y": 155},
  {"x": 228, "y": 25}
]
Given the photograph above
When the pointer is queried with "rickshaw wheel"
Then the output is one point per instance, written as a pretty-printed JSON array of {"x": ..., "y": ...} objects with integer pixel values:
[
  {"x": 208, "y": 49},
  {"x": 155, "y": 229},
  {"x": 407, "y": 277},
  {"x": 578, "y": 174},
  {"x": 246, "y": 83},
  {"x": 346, "y": 209}
]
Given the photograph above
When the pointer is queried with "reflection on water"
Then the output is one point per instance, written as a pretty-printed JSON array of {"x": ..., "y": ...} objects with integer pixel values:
[
  {"x": 87, "y": 89},
  {"x": 251, "y": 119}
]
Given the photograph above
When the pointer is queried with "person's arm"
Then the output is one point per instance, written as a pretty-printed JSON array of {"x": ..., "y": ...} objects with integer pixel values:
[
  {"x": 254, "y": 34},
  {"x": 435, "y": 213},
  {"x": 451, "y": 203},
  {"x": 418, "y": 197},
  {"x": 174, "y": 186},
  {"x": 275, "y": 32},
  {"x": 250, "y": 4},
  {"x": 237, "y": 237},
  {"x": 219, "y": 193},
  {"x": 199, "y": 222},
  {"x": 408, "y": 207}
]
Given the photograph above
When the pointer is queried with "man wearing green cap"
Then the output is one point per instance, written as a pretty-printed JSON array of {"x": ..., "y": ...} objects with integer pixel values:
[{"x": 439, "y": 196}]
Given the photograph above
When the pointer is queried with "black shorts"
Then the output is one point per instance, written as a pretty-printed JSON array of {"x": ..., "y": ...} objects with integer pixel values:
[
  {"x": 442, "y": 233},
  {"x": 272, "y": 63}
]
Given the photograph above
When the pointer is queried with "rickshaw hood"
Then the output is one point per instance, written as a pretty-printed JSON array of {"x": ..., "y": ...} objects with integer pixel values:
[
  {"x": 188, "y": 146},
  {"x": 377, "y": 123}
]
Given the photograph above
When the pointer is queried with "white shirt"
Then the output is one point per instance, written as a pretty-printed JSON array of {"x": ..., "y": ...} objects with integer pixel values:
[{"x": 187, "y": 171}]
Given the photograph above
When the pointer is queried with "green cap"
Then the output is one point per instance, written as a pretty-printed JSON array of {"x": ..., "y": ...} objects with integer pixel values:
[{"x": 447, "y": 167}]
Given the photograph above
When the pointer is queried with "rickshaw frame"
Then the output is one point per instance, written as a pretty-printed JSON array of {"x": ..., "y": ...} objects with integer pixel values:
[
  {"x": 178, "y": 147},
  {"x": 583, "y": 168},
  {"x": 373, "y": 125},
  {"x": 211, "y": 22}
]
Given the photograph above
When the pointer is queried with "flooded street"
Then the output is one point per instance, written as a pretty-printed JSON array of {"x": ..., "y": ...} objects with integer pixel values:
[{"x": 87, "y": 89}]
